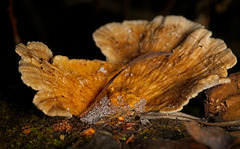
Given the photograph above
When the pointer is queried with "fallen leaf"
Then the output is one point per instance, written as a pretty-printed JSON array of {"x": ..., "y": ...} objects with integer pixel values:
[
  {"x": 172, "y": 144},
  {"x": 26, "y": 129},
  {"x": 214, "y": 137}
]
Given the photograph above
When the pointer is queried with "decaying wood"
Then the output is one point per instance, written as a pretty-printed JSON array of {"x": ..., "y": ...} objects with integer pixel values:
[{"x": 223, "y": 101}]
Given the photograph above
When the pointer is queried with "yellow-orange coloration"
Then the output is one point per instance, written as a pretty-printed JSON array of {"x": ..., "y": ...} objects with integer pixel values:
[
  {"x": 65, "y": 87},
  {"x": 121, "y": 119},
  {"x": 89, "y": 132},
  {"x": 165, "y": 83}
]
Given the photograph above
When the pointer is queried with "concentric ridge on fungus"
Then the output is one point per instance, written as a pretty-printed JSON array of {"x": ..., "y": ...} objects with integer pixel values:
[{"x": 167, "y": 83}]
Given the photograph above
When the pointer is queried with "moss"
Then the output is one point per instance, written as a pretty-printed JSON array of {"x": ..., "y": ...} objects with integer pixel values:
[
  {"x": 18, "y": 143},
  {"x": 14, "y": 120},
  {"x": 57, "y": 142},
  {"x": 29, "y": 128},
  {"x": 33, "y": 129},
  {"x": 122, "y": 137}
]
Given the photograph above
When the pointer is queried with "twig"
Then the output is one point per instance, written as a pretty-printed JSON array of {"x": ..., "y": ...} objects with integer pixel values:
[
  {"x": 13, "y": 20},
  {"x": 222, "y": 124},
  {"x": 185, "y": 117},
  {"x": 175, "y": 115}
]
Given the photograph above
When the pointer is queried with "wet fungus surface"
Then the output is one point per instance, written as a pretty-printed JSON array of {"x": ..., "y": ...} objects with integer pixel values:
[{"x": 158, "y": 82}]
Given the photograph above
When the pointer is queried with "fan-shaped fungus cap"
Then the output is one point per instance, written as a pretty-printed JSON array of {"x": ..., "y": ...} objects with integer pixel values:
[
  {"x": 167, "y": 83},
  {"x": 122, "y": 42},
  {"x": 65, "y": 87}
]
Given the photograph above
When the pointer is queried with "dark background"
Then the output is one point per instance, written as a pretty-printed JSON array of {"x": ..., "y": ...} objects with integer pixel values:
[{"x": 66, "y": 27}]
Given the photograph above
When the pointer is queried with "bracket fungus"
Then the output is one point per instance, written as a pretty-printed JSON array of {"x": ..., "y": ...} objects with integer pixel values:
[
  {"x": 65, "y": 87},
  {"x": 190, "y": 62}
]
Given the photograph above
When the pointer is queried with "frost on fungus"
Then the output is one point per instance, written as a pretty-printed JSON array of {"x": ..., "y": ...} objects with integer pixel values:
[{"x": 105, "y": 109}]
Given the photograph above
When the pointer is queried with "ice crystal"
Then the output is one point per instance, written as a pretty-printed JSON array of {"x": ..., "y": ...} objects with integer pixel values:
[
  {"x": 140, "y": 105},
  {"x": 105, "y": 108},
  {"x": 101, "y": 110},
  {"x": 145, "y": 121}
]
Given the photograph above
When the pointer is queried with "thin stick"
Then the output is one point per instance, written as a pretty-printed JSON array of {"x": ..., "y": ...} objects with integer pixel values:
[
  {"x": 185, "y": 117},
  {"x": 175, "y": 115},
  {"x": 222, "y": 124},
  {"x": 13, "y": 20}
]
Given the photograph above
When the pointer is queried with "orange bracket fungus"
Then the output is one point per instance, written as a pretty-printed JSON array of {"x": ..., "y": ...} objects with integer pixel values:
[{"x": 151, "y": 66}]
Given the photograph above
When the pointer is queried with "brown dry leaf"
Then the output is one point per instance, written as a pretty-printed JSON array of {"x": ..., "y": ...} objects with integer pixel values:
[
  {"x": 214, "y": 137},
  {"x": 223, "y": 101},
  {"x": 26, "y": 129},
  {"x": 172, "y": 144},
  {"x": 65, "y": 87}
]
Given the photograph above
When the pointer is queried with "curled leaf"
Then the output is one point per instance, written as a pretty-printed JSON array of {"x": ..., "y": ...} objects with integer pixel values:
[{"x": 214, "y": 137}]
